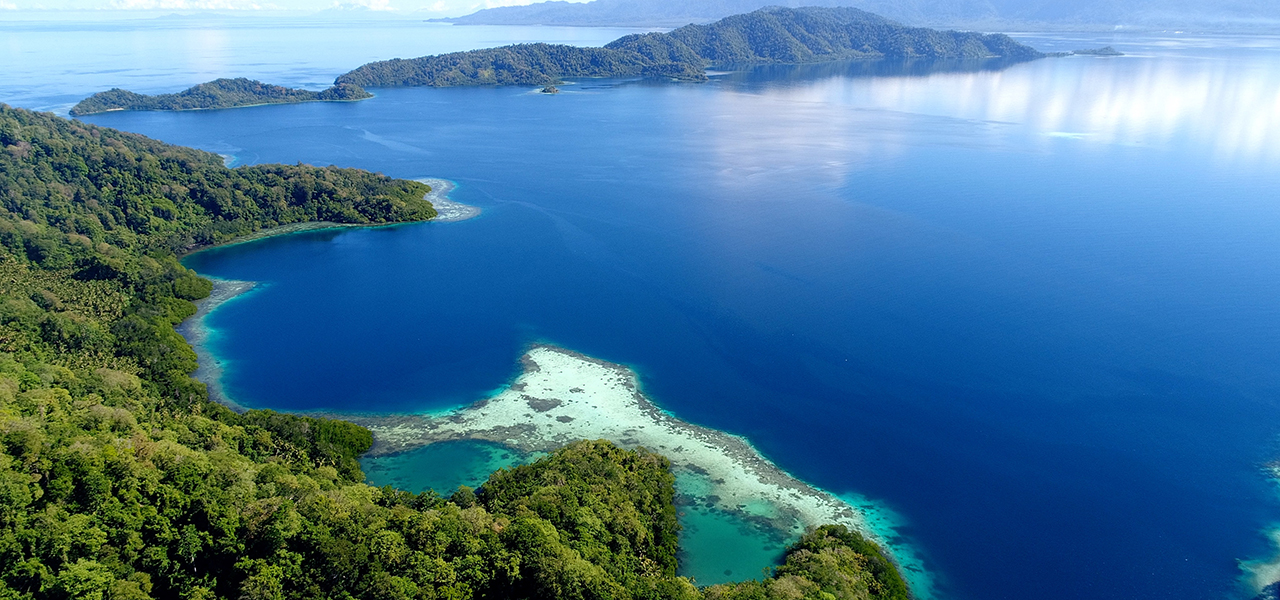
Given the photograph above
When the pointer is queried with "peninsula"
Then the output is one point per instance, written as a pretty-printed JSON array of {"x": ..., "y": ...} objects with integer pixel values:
[
  {"x": 219, "y": 93},
  {"x": 769, "y": 35},
  {"x": 120, "y": 479}
]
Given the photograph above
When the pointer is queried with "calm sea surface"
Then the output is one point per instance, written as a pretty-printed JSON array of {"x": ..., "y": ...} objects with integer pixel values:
[{"x": 1034, "y": 311}]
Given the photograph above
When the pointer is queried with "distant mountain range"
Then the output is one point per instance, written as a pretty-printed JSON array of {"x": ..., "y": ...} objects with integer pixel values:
[
  {"x": 988, "y": 14},
  {"x": 770, "y": 35}
]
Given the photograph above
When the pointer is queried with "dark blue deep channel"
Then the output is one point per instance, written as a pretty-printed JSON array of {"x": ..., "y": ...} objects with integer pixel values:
[{"x": 1033, "y": 311}]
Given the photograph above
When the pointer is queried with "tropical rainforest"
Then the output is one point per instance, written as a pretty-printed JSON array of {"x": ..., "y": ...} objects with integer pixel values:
[
  {"x": 770, "y": 35},
  {"x": 121, "y": 480},
  {"x": 219, "y": 93}
]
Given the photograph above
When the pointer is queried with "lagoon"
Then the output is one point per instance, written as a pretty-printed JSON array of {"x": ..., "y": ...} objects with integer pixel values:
[{"x": 1030, "y": 310}]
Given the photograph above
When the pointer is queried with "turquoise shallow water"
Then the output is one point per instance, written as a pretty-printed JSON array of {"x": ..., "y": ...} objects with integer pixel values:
[
  {"x": 1030, "y": 308},
  {"x": 441, "y": 467},
  {"x": 706, "y": 532}
]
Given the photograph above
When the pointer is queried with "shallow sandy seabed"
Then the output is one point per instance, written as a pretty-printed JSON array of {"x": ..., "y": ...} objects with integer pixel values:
[
  {"x": 447, "y": 210},
  {"x": 564, "y": 396}
]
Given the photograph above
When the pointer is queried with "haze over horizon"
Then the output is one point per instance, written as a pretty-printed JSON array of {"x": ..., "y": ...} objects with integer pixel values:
[{"x": 1120, "y": 13}]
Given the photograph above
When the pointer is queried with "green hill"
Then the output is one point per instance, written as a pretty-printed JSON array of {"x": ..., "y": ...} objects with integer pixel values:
[
  {"x": 220, "y": 93},
  {"x": 120, "y": 480},
  {"x": 770, "y": 35}
]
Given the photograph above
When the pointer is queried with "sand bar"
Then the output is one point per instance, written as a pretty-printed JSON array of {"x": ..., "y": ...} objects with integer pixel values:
[{"x": 447, "y": 210}]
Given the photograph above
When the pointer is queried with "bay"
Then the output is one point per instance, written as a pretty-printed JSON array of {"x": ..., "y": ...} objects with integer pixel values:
[{"x": 1030, "y": 309}]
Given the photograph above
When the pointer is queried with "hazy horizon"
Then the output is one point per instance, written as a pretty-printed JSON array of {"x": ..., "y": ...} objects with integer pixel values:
[{"x": 1120, "y": 13}]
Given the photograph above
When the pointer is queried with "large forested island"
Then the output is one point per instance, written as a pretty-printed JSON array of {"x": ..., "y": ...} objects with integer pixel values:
[
  {"x": 770, "y": 35},
  {"x": 121, "y": 480},
  {"x": 219, "y": 93}
]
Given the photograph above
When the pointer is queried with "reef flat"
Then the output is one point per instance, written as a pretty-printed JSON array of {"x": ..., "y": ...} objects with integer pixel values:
[
  {"x": 563, "y": 396},
  {"x": 447, "y": 210}
]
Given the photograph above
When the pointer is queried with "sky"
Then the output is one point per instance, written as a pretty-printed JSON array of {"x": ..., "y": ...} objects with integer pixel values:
[{"x": 388, "y": 6}]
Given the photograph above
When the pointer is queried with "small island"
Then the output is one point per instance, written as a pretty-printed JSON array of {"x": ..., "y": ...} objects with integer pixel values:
[
  {"x": 220, "y": 93},
  {"x": 551, "y": 89}
]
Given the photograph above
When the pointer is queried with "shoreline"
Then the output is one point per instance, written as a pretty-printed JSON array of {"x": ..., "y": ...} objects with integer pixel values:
[
  {"x": 196, "y": 332},
  {"x": 562, "y": 396},
  {"x": 447, "y": 211}
]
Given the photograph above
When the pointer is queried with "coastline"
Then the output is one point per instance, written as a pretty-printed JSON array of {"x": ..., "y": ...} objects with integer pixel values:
[
  {"x": 197, "y": 332},
  {"x": 563, "y": 395},
  {"x": 447, "y": 211}
]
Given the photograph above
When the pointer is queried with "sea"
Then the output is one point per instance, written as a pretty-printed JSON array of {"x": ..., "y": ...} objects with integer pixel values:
[{"x": 1032, "y": 311}]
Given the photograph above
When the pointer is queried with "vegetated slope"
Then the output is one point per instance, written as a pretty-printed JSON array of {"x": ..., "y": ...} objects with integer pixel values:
[
  {"x": 784, "y": 35},
  {"x": 521, "y": 64},
  {"x": 120, "y": 480},
  {"x": 219, "y": 93}
]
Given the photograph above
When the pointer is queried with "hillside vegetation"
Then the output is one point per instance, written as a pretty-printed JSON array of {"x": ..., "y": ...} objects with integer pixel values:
[
  {"x": 219, "y": 93},
  {"x": 771, "y": 35},
  {"x": 120, "y": 480}
]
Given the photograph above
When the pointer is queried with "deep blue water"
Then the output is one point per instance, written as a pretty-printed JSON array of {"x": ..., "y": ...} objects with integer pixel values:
[{"x": 1033, "y": 310}]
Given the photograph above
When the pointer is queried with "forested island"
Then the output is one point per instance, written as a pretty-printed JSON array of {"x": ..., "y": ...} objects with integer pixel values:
[
  {"x": 121, "y": 480},
  {"x": 219, "y": 93},
  {"x": 767, "y": 36},
  {"x": 770, "y": 35}
]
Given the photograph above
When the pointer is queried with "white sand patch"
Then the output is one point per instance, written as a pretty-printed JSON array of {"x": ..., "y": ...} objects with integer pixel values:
[
  {"x": 447, "y": 210},
  {"x": 564, "y": 396}
]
